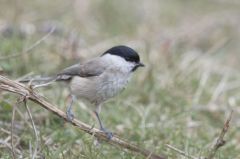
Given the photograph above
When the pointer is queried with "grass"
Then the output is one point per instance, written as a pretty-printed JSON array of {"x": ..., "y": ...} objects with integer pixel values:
[{"x": 181, "y": 98}]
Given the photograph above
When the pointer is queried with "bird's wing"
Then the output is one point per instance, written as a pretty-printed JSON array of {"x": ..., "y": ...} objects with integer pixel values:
[{"x": 91, "y": 68}]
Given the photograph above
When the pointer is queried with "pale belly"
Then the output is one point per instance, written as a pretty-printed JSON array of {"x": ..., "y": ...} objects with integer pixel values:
[{"x": 99, "y": 89}]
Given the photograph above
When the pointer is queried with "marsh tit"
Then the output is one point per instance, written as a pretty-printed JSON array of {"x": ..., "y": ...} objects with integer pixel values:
[{"x": 100, "y": 79}]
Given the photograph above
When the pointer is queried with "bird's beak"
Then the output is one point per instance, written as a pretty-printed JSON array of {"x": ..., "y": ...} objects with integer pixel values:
[{"x": 140, "y": 64}]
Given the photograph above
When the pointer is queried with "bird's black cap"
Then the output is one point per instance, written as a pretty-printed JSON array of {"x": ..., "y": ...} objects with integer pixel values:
[{"x": 125, "y": 52}]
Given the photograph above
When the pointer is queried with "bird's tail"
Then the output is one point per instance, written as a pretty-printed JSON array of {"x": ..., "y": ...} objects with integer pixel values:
[{"x": 40, "y": 80}]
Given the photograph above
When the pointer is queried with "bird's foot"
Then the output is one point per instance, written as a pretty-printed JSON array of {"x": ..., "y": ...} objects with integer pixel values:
[
  {"x": 70, "y": 115},
  {"x": 108, "y": 133}
]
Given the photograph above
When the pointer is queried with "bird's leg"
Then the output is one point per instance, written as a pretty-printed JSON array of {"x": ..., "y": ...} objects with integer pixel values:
[
  {"x": 69, "y": 112},
  {"x": 108, "y": 133}
]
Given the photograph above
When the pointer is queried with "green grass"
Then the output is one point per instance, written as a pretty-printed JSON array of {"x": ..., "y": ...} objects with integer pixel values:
[{"x": 182, "y": 97}]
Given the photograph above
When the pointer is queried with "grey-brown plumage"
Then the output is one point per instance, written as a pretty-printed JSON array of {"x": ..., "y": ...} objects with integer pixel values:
[{"x": 91, "y": 68}]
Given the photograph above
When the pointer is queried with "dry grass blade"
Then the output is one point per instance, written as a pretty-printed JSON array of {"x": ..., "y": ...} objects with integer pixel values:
[
  {"x": 34, "y": 129},
  {"x": 180, "y": 152},
  {"x": 2, "y": 142},
  {"x": 12, "y": 127},
  {"x": 220, "y": 140},
  {"x": 15, "y": 87}
]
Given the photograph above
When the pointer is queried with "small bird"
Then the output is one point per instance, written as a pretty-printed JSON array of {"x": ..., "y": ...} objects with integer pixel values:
[{"x": 99, "y": 79}]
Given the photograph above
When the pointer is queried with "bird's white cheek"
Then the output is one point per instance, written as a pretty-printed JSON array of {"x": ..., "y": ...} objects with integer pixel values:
[{"x": 129, "y": 67}]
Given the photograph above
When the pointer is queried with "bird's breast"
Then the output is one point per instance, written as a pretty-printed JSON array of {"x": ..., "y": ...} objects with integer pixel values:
[{"x": 112, "y": 84}]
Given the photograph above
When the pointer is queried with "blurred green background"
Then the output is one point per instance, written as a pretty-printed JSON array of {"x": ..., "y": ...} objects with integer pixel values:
[{"x": 182, "y": 97}]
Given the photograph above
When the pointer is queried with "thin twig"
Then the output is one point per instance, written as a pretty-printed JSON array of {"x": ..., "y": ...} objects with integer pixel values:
[
  {"x": 29, "y": 48},
  {"x": 34, "y": 129},
  {"x": 18, "y": 88},
  {"x": 180, "y": 152},
  {"x": 12, "y": 127},
  {"x": 220, "y": 140}
]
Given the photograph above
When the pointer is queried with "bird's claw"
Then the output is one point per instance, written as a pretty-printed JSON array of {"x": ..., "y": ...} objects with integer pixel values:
[
  {"x": 109, "y": 134},
  {"x": 70, "y": 115}
]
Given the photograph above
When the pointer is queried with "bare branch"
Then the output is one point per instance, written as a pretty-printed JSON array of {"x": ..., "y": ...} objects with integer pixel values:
[
  {"x": 220, "y": 140},
  {"x": 29, "y": 48},
  {"x": 18, "y": 88}
]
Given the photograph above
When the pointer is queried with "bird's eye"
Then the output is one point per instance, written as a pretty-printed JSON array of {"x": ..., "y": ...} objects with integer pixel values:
[{"x": 128, "y": 59}]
